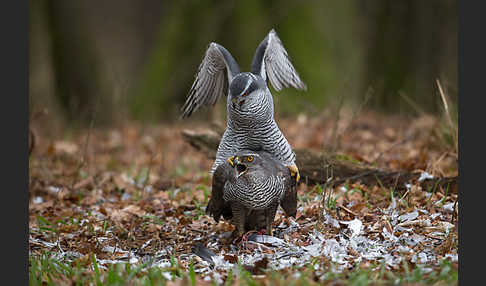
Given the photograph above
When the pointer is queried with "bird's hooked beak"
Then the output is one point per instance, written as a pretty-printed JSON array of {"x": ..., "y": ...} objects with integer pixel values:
[
  {"x": 237, "y": 102},
  {"x": 240, "y": 168}
]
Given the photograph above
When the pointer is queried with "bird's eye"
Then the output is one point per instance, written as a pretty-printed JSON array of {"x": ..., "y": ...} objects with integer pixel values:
[{"x": 250, "y": 158}]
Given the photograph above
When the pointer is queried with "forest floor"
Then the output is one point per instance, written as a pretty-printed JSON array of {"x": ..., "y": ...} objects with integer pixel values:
[{"x": 125, "y": 205}]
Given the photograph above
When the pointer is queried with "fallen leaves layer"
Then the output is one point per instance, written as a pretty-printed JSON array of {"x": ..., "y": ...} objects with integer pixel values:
[{"x": 138, "y": 195}]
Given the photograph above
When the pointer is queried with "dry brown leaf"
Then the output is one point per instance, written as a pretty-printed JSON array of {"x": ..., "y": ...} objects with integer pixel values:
[
  {"x": 135, "y": 210},
  {"x": 65, "y": 147}
]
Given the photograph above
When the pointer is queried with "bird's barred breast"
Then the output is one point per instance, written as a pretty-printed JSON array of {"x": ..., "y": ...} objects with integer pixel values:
[
  {"x": 268, "y": 138},
  {"x": 254, "y": 128},
  {"x": 255, "y": 194}
]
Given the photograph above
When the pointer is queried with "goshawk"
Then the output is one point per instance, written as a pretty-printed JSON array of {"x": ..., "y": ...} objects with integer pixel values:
[
  {"x": 248, "y": 188},
  {"x": 250, "y": 109}
]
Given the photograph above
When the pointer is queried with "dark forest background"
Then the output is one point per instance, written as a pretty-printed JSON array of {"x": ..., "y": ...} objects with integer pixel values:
[{"x": 136, "y": 60}]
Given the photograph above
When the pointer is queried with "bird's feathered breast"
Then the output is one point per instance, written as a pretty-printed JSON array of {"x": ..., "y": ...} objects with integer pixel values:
[
  {"x": 257, "y": 111},
  {"x": 254, "y": 192},
  {"x": 266, "y": 181}
]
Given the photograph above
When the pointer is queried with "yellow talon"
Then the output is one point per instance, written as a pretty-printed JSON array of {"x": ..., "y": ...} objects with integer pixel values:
[
  {"x": 231, "y": 161},
  {"x": 294, "y": 171}
]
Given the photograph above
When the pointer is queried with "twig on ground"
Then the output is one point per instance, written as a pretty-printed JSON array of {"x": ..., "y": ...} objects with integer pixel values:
[
  {"x": 356, "y": 111},
  {"x": 348, "y": 210},
  {"x": 334, "y": 134},
  {"x": 329, "y": 184},
  {"x": 148, "y": 173},
  {"x": 396, "y": 181},
  {"x": 412, "y": 103},
  {"x": 454, "y": 211},
  {"x": 434, "y": 168},
  {"x": 357, "y": 176},
  {"x": 396, "y": 144},
  {"x": 85, "y": 151}
]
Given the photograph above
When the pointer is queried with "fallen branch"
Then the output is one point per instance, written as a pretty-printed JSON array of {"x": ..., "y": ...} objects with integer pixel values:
[{"x": 314, "y": 167}]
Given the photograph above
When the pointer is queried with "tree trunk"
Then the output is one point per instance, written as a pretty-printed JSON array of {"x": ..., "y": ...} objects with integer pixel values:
[{"x": 317, "y": 167}]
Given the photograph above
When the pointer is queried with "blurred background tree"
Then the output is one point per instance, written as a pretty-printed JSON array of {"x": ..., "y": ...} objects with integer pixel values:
[{"x": 136, "y": 60}]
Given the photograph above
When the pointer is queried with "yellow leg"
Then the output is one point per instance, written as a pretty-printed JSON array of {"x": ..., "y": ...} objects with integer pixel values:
[
  {"x": 269, "y": 230},
  {"x": 294, "y": 171}
]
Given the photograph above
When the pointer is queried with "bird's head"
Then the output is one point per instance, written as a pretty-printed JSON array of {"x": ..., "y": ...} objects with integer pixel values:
[
  {"x": 244, "y": 163},
  {"x": 245, "y": 89}
]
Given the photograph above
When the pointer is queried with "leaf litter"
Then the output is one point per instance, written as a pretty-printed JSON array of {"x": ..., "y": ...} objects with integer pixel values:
[{"x": 143, "y": 202}]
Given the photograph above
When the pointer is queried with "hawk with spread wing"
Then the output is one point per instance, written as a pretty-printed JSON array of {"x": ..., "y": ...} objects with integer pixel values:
[{"x": 250, "y": 109}]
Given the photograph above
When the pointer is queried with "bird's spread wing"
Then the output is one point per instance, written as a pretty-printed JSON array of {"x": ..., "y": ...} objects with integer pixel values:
[
  {"x": 210, "y": 82},
  {"x": 271, "y": 59},
  {"x": 216, "y": 205}
]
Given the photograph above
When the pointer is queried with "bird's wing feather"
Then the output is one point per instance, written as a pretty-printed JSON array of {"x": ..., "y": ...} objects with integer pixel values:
[
  {"x": 210, "y": 82},
  {"x": 274, "y": 167},
  {"x": 272, "y": 60},
  {"x": 216, "y": 205},
  {"x": 289, "y": 200}
]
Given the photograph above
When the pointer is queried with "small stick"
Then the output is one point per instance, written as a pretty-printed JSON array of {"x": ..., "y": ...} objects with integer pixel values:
[
  {"x": 148, "y": 173},
  {"x": 368, "y": 95},
  {"x": 412, "y": 103},
  {"x": 446, "y": 107},
  {"x": 348, "y": 210},
  {"x": 395, "y": 144},
  {"x": 444, "y": 101},
  {"x": 454, "y": 213},
  {"x": 85, "y": 151}
]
